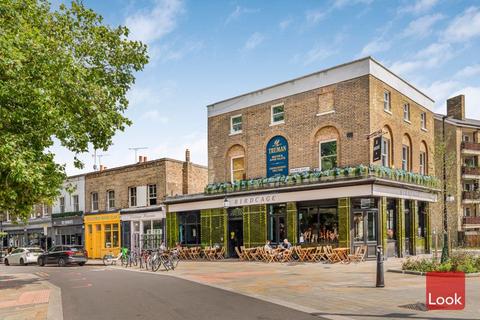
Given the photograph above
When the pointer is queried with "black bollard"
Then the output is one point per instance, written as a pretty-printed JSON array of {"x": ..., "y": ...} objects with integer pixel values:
[{"x": 380, "y": 276}]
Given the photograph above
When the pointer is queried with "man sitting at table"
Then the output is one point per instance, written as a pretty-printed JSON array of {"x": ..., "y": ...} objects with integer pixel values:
[
  {"x": 286, "y": 244},
  {"x": 268, "y": 247}
]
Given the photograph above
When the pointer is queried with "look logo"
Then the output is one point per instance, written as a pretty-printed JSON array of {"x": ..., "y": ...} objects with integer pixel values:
[{"x": 445, "y": 290}]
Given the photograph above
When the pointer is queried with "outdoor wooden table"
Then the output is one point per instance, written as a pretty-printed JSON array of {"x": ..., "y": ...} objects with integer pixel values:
[{"x": 342, "y": 254}]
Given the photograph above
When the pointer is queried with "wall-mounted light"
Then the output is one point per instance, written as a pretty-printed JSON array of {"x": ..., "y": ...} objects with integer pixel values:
[
  {"x": 226, "y": 203},
  {"x": 450, "y": 198}
]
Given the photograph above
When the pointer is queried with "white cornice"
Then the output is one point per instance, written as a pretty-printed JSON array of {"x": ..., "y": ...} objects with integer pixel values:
[{"x": 319, "y": 79}]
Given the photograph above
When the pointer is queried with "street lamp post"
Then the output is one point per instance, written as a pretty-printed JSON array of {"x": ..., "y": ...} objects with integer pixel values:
[{"x": 449, "y": 198}]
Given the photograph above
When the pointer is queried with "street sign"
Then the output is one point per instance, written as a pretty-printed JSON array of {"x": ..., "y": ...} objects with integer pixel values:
[{"x": 377, "y": 148}]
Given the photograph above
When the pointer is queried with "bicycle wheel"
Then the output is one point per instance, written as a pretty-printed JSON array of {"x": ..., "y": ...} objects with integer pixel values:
[
  {"x": 156, "y": 263},
  {"x": 107, "y": 259},
  {"x": 174, "y": 260},
  {"x": 124, "y": 261}
]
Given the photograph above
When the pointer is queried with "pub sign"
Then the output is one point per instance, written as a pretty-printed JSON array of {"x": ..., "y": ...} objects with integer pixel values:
[
  {"x": 277, "y": 157},
  {"x": 377, "y": 148}
]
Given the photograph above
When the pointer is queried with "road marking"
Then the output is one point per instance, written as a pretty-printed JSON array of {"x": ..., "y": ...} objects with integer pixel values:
[
  {"x": 78, "y": 279},
  {"x": 88, "y": 285}
]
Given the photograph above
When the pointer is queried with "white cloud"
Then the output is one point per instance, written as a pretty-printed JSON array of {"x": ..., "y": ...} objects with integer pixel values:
[
  {"x": 468, "y": 71},
  {"x": 315, "y": 16},
  {"x": 420, "y": 6},
  {"x": 422, "y": 26},
  {"x": 464, "y": 27},
  {"x": 151, "y": 25},
  {"x": 155, "y": 115},
  {"x": 375, "y": 46},
  {"x": 175, "y": 147},
  {"x": 435, "y": 55},
  {"x": 317, "y": 53},
  {"x": 253, "y": 41},
  {"x": 284, "y": 24},
  {"x": 343, "y": 3},
  {"x": 440, "y": 91},
  {"x": 173, "y": 52},
  {"x": 238, "y": 12},
  {"x": 472, "y": 101}
]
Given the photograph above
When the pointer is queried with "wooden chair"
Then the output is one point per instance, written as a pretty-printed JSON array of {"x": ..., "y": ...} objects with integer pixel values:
[
  {"x": 256, "y": 254},
  {"x": 331, "y": 255},
  {"x": 220, "y": 254},
  {"x": 241, "y": 255},
  {"x": 319, "y": 255},
  {"x": 287, "y": 255},
  {"x": 359, "y": 255}
]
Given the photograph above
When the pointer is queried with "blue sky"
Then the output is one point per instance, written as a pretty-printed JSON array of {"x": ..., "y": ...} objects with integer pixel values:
[{"x": 205, "y": 51}]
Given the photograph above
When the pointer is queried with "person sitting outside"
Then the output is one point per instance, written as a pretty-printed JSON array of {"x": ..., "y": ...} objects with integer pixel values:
[
  {"x": 286, "y": 244},
  {"x": 268, "y": 247}
]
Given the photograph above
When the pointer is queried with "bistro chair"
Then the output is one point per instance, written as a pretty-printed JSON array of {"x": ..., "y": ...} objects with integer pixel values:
[{"x": 241, "y": 255}]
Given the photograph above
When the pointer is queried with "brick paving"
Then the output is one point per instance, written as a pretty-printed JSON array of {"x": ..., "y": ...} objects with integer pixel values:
[{"x": 23, "y": 297}]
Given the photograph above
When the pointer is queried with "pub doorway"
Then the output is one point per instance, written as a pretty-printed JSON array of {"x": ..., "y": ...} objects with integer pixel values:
[
  {"x": 365, "y": 225},
  {"x": 235, "y": 231}
]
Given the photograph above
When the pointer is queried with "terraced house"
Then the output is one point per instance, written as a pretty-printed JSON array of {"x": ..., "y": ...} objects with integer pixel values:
[{"x": 342, "y": 156}]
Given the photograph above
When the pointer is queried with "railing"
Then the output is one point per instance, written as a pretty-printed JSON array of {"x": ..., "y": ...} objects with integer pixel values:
[
  {"x": 471, "y": 195},
  {"x": 471, "y": 146},
  {"x": 474, "y": 171},
  {"x": 471, "y": 220}
]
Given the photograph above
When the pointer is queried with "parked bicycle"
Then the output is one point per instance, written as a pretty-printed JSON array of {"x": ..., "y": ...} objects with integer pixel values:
[{"x": 110, "y": 259}]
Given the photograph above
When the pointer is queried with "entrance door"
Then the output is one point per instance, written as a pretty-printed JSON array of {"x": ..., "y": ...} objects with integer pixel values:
[
  {"x": 408, "y": 228},
  {"x": 365, "y": 231},
  {"x": 235, "y": 236}
]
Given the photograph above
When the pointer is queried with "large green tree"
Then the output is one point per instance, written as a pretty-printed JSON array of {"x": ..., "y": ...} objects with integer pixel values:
[{"x": 64, "y": 76}]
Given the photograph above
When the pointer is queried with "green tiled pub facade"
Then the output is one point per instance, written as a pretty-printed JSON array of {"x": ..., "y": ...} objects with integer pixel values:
[{"x": 400, "y": 226}]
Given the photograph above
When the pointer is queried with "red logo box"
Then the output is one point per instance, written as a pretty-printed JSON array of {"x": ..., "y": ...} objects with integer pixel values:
[{"x": 445, "y": 291}]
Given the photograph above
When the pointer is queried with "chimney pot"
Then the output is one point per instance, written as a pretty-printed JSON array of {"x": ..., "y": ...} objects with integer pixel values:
[{"x": 187, "y": 155}]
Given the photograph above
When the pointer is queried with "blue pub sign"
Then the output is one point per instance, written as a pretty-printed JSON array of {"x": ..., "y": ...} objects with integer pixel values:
[{"x": 277, "y": 157}]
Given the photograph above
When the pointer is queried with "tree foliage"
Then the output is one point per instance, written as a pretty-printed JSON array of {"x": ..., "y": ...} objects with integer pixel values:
[{"x": 64, "y": 76}]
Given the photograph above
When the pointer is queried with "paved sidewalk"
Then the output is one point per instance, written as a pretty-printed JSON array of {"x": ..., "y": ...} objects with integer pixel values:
[
  {"x": 334, "y": 291},
  {"x": 29, "y": 297}
]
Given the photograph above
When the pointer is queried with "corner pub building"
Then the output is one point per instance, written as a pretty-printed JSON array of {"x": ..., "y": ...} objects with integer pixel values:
[{"x": 343, "y": 156}]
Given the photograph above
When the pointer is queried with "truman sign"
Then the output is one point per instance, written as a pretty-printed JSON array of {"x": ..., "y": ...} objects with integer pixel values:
[{"x": 277, "y": 157}]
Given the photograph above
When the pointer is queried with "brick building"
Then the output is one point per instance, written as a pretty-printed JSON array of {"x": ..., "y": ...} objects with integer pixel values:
[
  {"x": 124, "y": 205},
  {"x": 340, "y": 156},
  {"x": 462, "y": 144}
]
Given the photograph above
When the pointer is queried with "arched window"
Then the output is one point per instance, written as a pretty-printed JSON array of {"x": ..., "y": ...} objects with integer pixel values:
[
  {"x": 327, "y": 139},
  {"x": 387, "y": 147},
  {"x": 406, "y": 153},
  {"x": 236, "y": 163},
  {"x": 423, "y": 159}
]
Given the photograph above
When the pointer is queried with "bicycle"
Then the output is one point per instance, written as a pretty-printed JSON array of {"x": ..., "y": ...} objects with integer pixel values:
[
  {"x": 109, "y": 259},
  {"x": 169, "y": 260}
]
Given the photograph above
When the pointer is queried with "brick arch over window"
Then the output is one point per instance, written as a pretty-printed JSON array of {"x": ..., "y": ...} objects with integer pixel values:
[
  {"x": 388, "y": 147},
  {"x": 407, "y": 142},
  {"x": 324, "y": 135},
  {"x": 233, "y": 160},
  {"x": 424, "y": 151}
]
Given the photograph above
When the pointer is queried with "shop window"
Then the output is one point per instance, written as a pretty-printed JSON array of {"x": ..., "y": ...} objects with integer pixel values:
[
  {"x": 238, "y": 169},
  {"x": 76, "y": 205},
  {"x": 406, "y": 112},
  {"x": 358, "y": 225},
  {"x": 405, "y": 158},
  {"x": 391, "y": 220},
  {"x": 108, "y": 236},
  {"x": 318, "y": 224},
  {"x": 132, "y": 193},
  {"x": 328, "y": 155},
  {"x": 325, "y": 103},
  {"x": 278, "y": 114},
  {"x": 386, "y": 152},
  {"x": 89, "y": 228},
  {"x": 110, "y": 199},
  {"x": 111, "y": 232},
  {"x": 421, "y": 212},
  {"x": 236, "y": 124},
  {"x": 277, "y": 223},
  {"x": 189, "y": 228},
  {"x": 152, "y": 194},
  {"x": 115, "y": 235},
  {"x": 62, "y": 204},
  {"x": 94, "y": 201}
]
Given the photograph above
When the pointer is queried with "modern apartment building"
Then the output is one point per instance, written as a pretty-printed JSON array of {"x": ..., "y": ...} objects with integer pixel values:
[
  {"x": 462, "y": 145},
  {"x": 124, "y": 205},
  {"x": 341, "y": 156}
]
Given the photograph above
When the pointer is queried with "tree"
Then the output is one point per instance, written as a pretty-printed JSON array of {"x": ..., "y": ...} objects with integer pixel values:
[{"x": 63, "y": 76}]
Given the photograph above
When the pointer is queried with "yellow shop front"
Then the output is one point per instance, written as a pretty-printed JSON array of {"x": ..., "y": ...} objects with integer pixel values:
[{"x": 102, "y": 234}]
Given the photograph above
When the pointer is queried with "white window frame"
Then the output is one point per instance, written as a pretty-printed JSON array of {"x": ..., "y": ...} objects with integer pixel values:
[
  {"x": 149, "y": 195},
  {"x": 423, "y": 121},
  {"x": 423, "y": 163},
  {"x": 109, "y": 207},
  {"x": 406, "y": 162},
  {"x": 231, "y": 166},
  {"x": 272, "y": 114},
  {"x": 61, "y": 204},
  {"x": 93, "y": 202},
  {"x": 406, "y": 112},
  {"x": 320, "y": 152},
  {"x": 232, "y": 131},
  {"x": 132, "y": 196},
  {"x": 76, "y": 205},
  {"x": 385, "y": 157},
  {"x": 387, "y": 103}
]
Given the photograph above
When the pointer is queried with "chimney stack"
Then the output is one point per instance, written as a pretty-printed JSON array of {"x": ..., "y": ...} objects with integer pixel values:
[
  {"x": 456, "y": 107},
  {"x": 102, "y": 167},
  {"x": 145, "y": 159},
  {"x": 140, "y": 158},
  {"x": 187, "y": 155}
]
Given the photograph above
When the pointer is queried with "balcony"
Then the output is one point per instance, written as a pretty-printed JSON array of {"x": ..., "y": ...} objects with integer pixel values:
[
  {"x": 471, "y": 172},
  {"x": 471, "y": 196},
  {"x": 471, "y": 221},
  {"x": 471, "y": 148}
]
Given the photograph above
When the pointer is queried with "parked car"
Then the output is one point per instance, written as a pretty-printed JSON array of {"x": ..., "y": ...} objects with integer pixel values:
[
  {"x": 63, "y": 255},
  {"x": 23, "y": 256}
]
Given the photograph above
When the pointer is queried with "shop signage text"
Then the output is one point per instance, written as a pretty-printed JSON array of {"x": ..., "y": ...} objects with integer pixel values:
[
  {"x": 253, "y": 200},
  {"x": 277, "y": 157}
]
